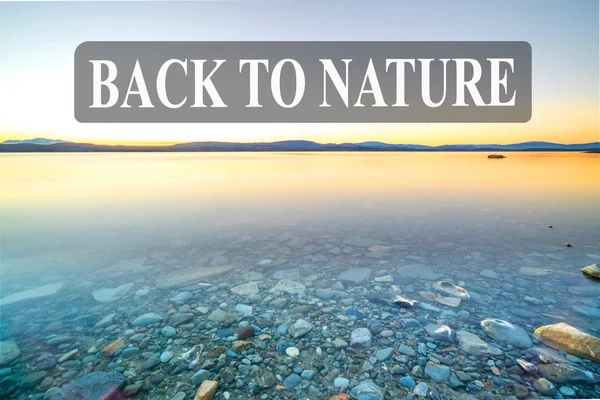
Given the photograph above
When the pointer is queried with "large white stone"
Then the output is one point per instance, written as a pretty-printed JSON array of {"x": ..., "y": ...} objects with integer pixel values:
[
  {"x": 246, "y": 289},
  {"x": 37, "y": 293}
]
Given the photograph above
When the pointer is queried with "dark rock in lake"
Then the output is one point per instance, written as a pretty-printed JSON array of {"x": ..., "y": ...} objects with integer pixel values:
[
  {"x": 95, "y": 385},
  {"x": 246, "y": 333}
]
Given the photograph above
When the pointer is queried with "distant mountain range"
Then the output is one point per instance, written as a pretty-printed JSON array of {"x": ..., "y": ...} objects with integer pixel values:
[
  {"x": 50, "y": 145},
  {"x": 40, "y": 141}
]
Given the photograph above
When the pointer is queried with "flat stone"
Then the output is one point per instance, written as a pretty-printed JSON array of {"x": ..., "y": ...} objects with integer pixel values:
[
  {"x": 361, "y": 337},
  {"x": 288, "y": 286},
  {"x": 267, "y": 380},
  {"x": 110, "y": 295},
  {"x": 33, "y": 379},
  {"x": 544, "y": 386},
  {"x": 473, "y": 345},
  {"x": 168, "y": 331},
  {"x": 106, "y": 321},
  {"x": 200, "y": 376},
  {"x": 567, "y": 374},
  {"x": 240, "y": 346},
  {"x": 95, "y": 385},
  {"x": 220, "y": 316},
  {"x": 190, "y": 277},
  {"x": 407, "y": 382},
  {"x": 38, "y": 293},
  {"x": 207, "y": 390},
  {"x": 110, "y": 349},
  {"x": 355, "y": 275},
  {"x": 505, "y": 332},
  {"x": 448, "y": 301},
  {"x": 437, "y": 372},
  {"x": 180, "y": 318},
  {"x": 341, "y": 382},
  {"x": 246, "y": 289},
  {"x": 182, "y": 298},
  {"x": 244, "y": 309},
  {"x": 147, "y": 319},
  {"x": 340, "y": 343},
  {"x": 9, "y": 351},
  {"x": 292, "y": 381},
  {"x": 421, "y": 389},
  {"x": 300, "y": 328},
  {"x": 406, "y": 350},
  {"x": 563, "y": 336},
  {"x": 366, "y": 390},
  {"x": 384, "y": 354}
]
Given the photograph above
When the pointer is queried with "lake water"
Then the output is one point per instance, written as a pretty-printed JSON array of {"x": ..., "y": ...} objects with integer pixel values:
[{"x": 98, "y": 221}]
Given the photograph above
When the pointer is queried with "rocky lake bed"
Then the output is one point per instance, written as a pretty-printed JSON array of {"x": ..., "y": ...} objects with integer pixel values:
[{"x": 313, "y": 314}]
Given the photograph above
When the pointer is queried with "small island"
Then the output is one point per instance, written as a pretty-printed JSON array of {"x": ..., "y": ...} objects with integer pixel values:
[{"x": 496, "y": 156}]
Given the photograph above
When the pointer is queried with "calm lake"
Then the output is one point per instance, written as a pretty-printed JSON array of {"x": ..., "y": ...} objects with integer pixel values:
[{"x": 140, "y": 222}]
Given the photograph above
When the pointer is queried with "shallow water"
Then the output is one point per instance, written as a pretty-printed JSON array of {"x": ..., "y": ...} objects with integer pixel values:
[{"x": 67, "y": 217}]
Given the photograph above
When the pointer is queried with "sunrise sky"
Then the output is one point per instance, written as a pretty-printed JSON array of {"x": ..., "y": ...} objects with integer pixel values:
[{"x": 37, "y": 42}]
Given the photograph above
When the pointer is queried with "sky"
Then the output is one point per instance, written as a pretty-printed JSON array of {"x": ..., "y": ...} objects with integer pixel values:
[{"x": 38, "y": 40}]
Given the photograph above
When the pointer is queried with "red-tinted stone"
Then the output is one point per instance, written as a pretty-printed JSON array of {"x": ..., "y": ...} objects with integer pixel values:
[{"x": 246, "y": 333}]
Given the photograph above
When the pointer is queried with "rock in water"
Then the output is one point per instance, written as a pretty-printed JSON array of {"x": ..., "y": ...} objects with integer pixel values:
[
  {"x": 563, "y": 336},
  {"x": 366, "y": 390},
  {"x": 544, "y": 387},
  {"x": 567, "y": 374},
  {"x": 110, "y": 349},
  {"x": 95, "y": 385},
  {"x": 207, "y": 390},
  {"x": 246, "y": 289},
  {"x": 300, "y": 328},
  {"x": 8, "y": 351},
  {"x": 246, "y": 333},
  {"x": 437, "y": 372},
  {"x": 530, "y": 271},
  {"x": 451, "y": 289},
  {"x": 591, "y": 271},
  {"x": 442, "y": 333},
  {"x": 506, "y": 332},
  {"x": 448, "y": 301},
  {"x": 356, "y": 275},
  {"x": 32, "y": 294},
  {"x": 110, "y": 295},
  {"x": 472, "y": 344},
  {"x": 147, "y": 319},
  {"x": 291, "y": 287},
  {"x": 361, "y": 337}
]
